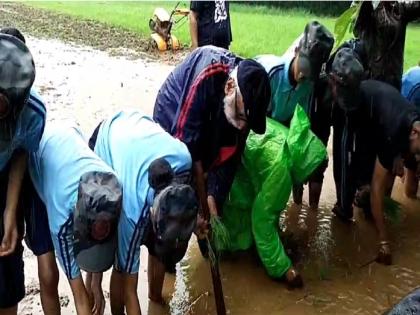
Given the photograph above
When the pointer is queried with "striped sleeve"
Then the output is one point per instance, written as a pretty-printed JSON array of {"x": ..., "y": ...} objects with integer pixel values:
[
  {"x": 130, "y": 238},
  {"x": 63, "y": 244},
  {"x": 190, "y": 118}
]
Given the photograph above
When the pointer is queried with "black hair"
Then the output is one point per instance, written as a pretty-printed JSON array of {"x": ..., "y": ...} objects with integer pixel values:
[{"x": 160, "y": 174}]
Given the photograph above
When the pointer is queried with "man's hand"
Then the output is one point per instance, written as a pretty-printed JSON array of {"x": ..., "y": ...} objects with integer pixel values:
[
  {"x": 202, "y": 228},
  {"x": 81, "y": 299},
  {"x": 98, "y": 302},
  {"x": 384, "y": 255},
  {"x": 16, "y": 173},
  {"x": 8, "y": 243},
  {"x": 156, "y": 276},
  {"x": 98, "y": 295},
  {"x": 200, "y": 186}
]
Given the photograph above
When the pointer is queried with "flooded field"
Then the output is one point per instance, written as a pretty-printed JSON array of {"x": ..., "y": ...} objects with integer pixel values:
[{"x": 335, "y": 259}]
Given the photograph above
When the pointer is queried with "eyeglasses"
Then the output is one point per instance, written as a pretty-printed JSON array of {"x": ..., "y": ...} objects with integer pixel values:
[{"x": 239, "y": 115}]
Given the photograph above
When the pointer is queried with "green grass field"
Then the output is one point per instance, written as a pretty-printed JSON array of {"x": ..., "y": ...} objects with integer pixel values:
[{"x": 256, "y": 30}]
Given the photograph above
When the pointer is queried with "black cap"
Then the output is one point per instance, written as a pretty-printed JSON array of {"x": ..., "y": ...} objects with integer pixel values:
[
  {"x": 314, "y": 49},
  {"x": 96, "y": 218},
  {"x": 346, "y": 68},
  {"x": 256, "y": 92},
  {"x": 14, "y": 32},
  {"x": 17, "y": 70}
]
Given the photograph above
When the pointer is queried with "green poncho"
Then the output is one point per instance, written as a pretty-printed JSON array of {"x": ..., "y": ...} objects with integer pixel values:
[{"x": 270, "y": 165}]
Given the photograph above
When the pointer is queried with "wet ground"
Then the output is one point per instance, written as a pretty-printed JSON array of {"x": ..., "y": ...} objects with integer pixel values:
[{"x": 86, "y": 85}]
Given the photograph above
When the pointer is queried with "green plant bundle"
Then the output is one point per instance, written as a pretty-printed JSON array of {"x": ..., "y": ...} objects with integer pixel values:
[{"x": 220, "y": 234}]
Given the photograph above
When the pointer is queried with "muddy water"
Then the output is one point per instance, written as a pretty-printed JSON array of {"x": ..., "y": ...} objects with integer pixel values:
[
  {"x": 333, "y": 258},
  {"x": 86, "y": 85}
]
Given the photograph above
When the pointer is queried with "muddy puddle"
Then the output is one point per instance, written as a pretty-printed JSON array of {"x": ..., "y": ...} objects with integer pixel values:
[{"x": 86, "y": 85}]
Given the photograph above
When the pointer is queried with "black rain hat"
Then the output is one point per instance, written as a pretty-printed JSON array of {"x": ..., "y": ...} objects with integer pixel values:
[
  {"x": 347, "y": 73},
  {"x": 173, "y": 198},
  {"x": 17, "y": 70},
  {"x": 346, "y": 68},
  {"x": 96, "y": 218},
  {"x": 314, "y": 49},
  {"x": 175, "y": 201}
]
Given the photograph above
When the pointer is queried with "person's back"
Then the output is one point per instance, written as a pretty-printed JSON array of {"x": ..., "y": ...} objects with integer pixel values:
[
  {"x": 292, "y": 75},
  {"x": 284, "y": 95},
  {"x": 411, "y": 86},
  {"x": 201, "y": 76},
  {"x": 83, "y": 199},
  {"x": 210, "y": 23},
  {"x": 151, "y": 164},
  {"x": 382, "y": 27},
  {"x": 128, "y": 142},
  {"x": 56, "y": 167},
  {"x": 388, "y": 116},
  {"x": 190, "y": 105}
]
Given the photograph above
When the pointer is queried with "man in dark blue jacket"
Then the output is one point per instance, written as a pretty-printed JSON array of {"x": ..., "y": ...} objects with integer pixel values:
[{"x": 210, "y": 102}]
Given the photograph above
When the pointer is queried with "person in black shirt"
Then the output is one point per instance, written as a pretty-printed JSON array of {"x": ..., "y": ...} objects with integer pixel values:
[
  {"x": 321, "y": 114},
  {"x": 382, "y": 27},
  {"x": 381, "y": 128},
  {"x": 210, "y": 23}
]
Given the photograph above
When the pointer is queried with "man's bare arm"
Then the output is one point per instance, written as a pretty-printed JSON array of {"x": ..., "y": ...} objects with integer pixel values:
[
  {"x": 81, "y": 299},
  {"x": 156, "y": 276},
  {"x": 380, "y": 180},
  {"x": 16, "y": 173},
  {"x": 194, "y": 29}
]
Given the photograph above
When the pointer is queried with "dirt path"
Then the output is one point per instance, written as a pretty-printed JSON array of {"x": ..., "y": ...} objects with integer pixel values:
[{"x": 86, "y": 85}]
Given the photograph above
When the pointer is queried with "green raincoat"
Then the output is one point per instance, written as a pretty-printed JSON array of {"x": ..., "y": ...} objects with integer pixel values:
[{"x": 270, "y": 165}]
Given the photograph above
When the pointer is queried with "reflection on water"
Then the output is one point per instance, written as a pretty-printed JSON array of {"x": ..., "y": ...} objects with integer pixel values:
[{"x": 180, "y": 301}]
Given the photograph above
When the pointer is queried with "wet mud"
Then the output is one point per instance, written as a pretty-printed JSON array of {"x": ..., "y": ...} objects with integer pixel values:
[{"x": 336, "y": 259}]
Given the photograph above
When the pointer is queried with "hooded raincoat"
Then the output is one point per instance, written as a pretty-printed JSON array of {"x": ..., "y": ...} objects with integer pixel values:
[{"x": 270, "y": 165}]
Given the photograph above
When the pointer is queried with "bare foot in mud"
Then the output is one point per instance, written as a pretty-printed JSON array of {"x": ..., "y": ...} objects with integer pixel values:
[
  {"x": 158, "y": 300},
  {"x": 293, "y": 279}
]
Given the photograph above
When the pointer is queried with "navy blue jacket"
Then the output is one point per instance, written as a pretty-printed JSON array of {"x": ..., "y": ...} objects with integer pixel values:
[{"x": 189, "y": 105}]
